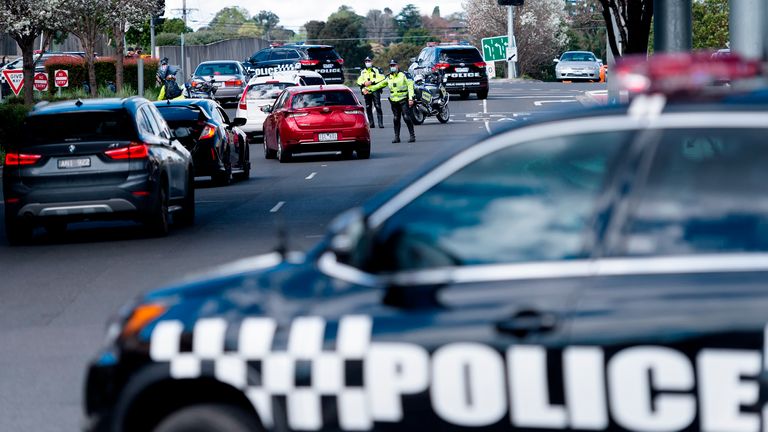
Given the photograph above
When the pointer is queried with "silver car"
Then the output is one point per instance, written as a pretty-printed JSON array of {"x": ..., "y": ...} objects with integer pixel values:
[
  {"x": 578, "y": 65},
  {"x": 228, "y": 76}
]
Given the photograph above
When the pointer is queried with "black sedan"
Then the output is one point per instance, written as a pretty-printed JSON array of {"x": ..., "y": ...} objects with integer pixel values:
[
  {"x": 93, "y": 160},
  {"x": 605, "y": 270},
  {"x": 218, "y": 147}
]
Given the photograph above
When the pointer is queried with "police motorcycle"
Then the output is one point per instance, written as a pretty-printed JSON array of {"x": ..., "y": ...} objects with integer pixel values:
[{"x": 430, "y": 99}]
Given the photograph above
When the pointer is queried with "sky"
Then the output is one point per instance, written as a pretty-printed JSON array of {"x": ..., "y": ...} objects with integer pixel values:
[{"x": 294, "y": 13}]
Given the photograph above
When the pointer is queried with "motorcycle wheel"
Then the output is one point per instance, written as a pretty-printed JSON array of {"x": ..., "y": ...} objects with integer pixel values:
[
  {"x": 417, "y": 115},
  {"x": 444, "y": 115}
]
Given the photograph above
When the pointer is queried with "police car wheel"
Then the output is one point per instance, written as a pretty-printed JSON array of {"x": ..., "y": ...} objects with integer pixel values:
[{"x": 209, "y": 417}]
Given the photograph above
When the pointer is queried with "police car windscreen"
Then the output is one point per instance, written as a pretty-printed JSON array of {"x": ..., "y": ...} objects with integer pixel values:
[
  {"x": 328, "y": 98},
  {"x": 112, "y": 125},
  {"x": 217, "y": 69},
  {"x": 267, "y": 90},
  {"x": 468, "y": 55},
  {"x": 322, "y": 53}
]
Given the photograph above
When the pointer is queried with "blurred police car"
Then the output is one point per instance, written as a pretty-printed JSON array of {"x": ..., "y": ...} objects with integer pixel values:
[
  {"x": 604, "y": 270},
  {"x": 322, "y": 59}
]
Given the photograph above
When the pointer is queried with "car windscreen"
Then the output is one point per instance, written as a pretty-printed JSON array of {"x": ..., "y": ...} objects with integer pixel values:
[
  {"x": 464, "y": 55},
  {"x": 267, "y": 90},
  {"x": 327, "y": 53},
  {"x": 217, "y": 69},
  {"x": 312, "y": 81},
  {"x": 107, "y": 125},
  {"x": 578, "y": 57},
  {"x": 325, "y": 98}
]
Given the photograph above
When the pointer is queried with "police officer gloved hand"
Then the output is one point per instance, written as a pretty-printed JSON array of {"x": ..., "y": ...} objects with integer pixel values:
[
  {"x": 368, "y": 77},
  {"x": 400, "y": 98}
]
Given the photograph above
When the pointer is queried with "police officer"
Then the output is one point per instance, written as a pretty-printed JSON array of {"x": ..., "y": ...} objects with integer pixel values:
[
  {"x": 368, "y": 77},
  {"x": 400, "y": 97}
]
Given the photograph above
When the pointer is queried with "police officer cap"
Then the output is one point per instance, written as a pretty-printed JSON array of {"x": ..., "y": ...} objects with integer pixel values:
[
  {"x": 392, "y": 62},
  {"x": 368, "y": 59}
]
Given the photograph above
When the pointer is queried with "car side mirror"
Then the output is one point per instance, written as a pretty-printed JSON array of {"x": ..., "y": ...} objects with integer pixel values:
[
  {"x": 238, "y": 121},
  {"x": 346, "y": 232},
  {"x": 266, "y": 109},
  {"x": 181, "y": 132},
  {"x": 556, "y": 60}
]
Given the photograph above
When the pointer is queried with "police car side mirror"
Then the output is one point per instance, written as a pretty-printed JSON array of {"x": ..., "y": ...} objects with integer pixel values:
[{"x": 346, "y": 232}]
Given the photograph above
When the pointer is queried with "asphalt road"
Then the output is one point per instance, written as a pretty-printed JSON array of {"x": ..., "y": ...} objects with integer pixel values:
[{"x": 57, "y": 293}]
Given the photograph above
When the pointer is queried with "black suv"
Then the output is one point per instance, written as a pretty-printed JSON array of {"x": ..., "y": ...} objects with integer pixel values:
[
  {"x": 462, "y": 66},
  {"x": 605, "y": 270},
  {"x": 319, "y": 58},
  {"x": 92, "y": 160}
]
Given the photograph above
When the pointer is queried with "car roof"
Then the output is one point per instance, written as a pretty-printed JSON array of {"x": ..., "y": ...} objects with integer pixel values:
[
  {"x": 317, "y": 88},
  {"x": 185, "y": 102},
  {"x": 305, "y": 46},
  {"x": 219, "y": 61},
  {"x": 45, "y": 108}
]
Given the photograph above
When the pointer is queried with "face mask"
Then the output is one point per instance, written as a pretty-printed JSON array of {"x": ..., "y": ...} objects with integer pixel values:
[
  {"x": 368, "y": 65},
  {"x": 393, "y": 69}
]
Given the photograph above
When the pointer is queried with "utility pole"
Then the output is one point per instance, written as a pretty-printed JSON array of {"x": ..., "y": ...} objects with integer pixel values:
[
  {"x": 184, "y": 13},
  {"x": 152, "y": 36},
  {"x": 746, "y": 23},
  {"x": 511, "y": 64},
  {"x": 672, "y": 25}
]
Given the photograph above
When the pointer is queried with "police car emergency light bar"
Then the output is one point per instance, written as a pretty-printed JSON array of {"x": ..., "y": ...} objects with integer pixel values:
[{"x": 698, "y": 74}]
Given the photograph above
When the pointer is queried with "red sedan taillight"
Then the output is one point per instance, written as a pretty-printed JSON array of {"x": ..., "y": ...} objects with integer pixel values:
[
  {"x": 133, "y": 151},
  {"x": 21, "y": 159}
]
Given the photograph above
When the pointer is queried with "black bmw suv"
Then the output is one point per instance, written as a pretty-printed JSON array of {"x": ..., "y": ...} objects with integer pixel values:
[
  {"x": 462, "y": 65},
  {"x": 94, "y": 160},
  {"x": 319, "y": 58}
]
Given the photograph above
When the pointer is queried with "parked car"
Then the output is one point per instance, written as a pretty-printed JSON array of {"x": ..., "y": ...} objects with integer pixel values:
[
  {"x": 600, "y": 270},
  {"x": 92, "y": 160},
  {"x": 263, "y": 90},
  {"x": 462, "y": 66},
  {"x": 322, "y": 59},
  {"x": 316, "y": 119},
  {"x": 228, "y": 76},
  {"x": 219, "y": 149},
  {"x": 578, "y": 65}
]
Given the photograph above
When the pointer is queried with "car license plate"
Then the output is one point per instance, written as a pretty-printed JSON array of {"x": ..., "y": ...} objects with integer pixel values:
[
  {"x": 462, "y": 70},
  {"x": 328, "y": 66},
  {"x": 74, "y": 163},
  {"x": 331, "y": 136}
]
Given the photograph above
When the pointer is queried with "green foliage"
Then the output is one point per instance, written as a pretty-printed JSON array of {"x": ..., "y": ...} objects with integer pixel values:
[
  {"x": 229, "y": 20},
  {"x": 105, "y": 71},
  {"x": 169, "y": 39},
  {"x": 710, "y": 24},
  {"x": 313, "y": 29},
  {"x": 409, "y": 18},
  {"x": 173, "y": 25},
  {"x": 140, "y": 35},
  {"x": 266, "y": 20},
  {"x": 401, "y": 52},
  {"x": 419, "y": 36},
  {"x": 11, "y": 117},
  {"x": 205, "y": 37},
  {"x": 346, "y": 31}
]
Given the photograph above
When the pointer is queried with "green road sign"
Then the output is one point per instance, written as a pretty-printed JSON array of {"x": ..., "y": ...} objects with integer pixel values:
[{"x": 495, "y": 49}]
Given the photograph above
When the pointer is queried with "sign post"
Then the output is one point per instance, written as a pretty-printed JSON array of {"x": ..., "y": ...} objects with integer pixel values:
[
  {"x": 15, "y": 79},
  {"x": 41, "y": 81},
  {"x": 61, "y": 79}
]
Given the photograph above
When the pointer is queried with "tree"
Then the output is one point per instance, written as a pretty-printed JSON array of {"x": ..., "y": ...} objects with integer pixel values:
[
  {"x": 250, "y": 29},
  {"x": 229, "y": 20},
  {"x": 122, "y": 13},
  {"x": 346, "y": 31},
  {"x": 586, "y": 28},
  {"x": 267, "y": 21},
  {"x": 538, "y": 30},
  {"x": 380, "y": 26},
  {"x": 174, "y": 25},
  {"x": 313, "y": 29},
  {"x": 88, "y": 20},
  {"x": 436, "y": 12},
  {"x": 409, "y": 18},
  {"x": 400, "y": 52},
  {"x": 24, "y": 21},
  {"x": 710, "y": 24},
  {"x": 633, "y": 22},
  {"x": 139, "y": 35}
]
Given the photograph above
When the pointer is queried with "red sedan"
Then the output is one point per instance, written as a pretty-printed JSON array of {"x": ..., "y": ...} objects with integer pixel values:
[{"x": 308, "y": 119}]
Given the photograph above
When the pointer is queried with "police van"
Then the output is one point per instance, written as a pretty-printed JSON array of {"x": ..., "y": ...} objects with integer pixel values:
[
  {"x": 461, "y": 66},
  {"x": 278, "y": 57},
  {"x": 600, "y": 270}
]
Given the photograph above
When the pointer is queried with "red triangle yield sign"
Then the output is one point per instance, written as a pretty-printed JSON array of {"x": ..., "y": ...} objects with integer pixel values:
[{"x": 15, "y": 79}]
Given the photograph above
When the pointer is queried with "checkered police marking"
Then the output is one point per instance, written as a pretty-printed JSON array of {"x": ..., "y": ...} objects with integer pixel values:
[{"x": 652, "y": 388}]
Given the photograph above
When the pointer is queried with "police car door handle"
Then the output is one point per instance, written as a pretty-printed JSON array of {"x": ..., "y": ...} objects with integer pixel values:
[{"x": 527, "y": 322}]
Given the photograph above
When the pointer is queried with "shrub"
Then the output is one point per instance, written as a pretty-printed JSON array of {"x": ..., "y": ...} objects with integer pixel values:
[
  {"x": 167, "y": 39},
  {"x": 105, "y": 71}
]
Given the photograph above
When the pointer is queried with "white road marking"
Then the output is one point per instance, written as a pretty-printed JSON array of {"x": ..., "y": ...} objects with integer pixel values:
[
  {"x": 488, "y": 128},
  {"x": 540, "y": 103},
  {"x": 485, "y": 106},
  {"x": 311, "y": 176},
  {"x": 314, "y": 236},
  {"x": 277, "y": 207},
  {"x": 323, "y": 165}
]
